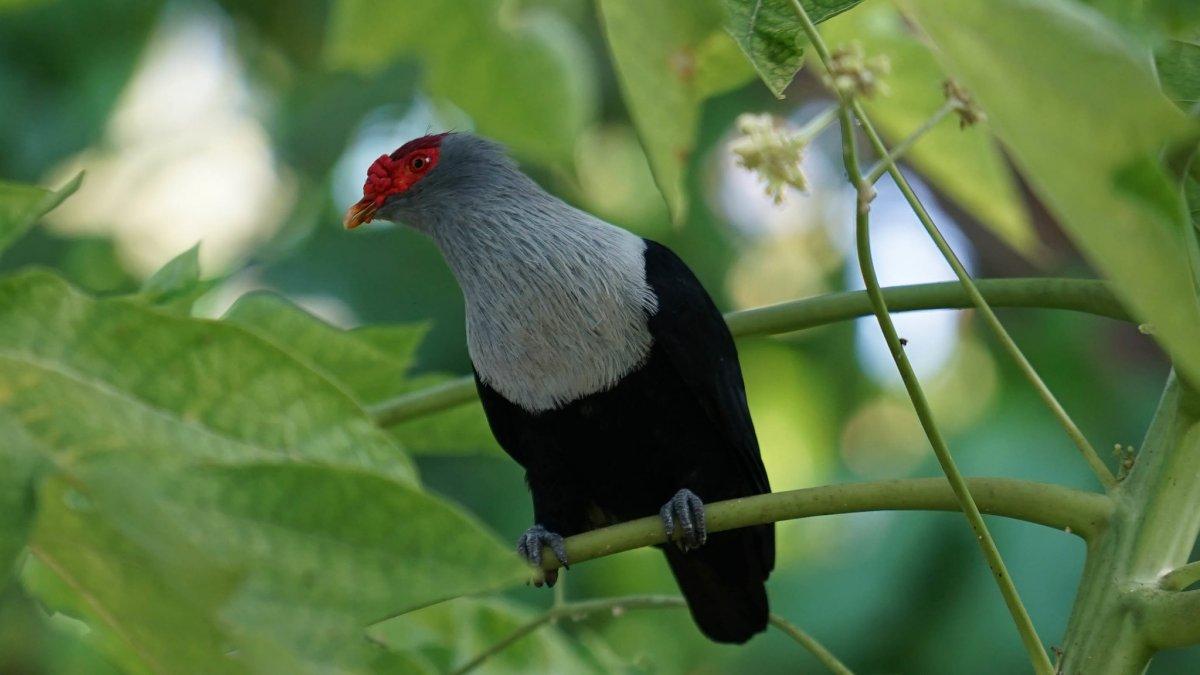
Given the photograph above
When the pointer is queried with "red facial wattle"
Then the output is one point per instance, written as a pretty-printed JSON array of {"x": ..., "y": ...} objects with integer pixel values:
[{"x": 393, "y": 174}]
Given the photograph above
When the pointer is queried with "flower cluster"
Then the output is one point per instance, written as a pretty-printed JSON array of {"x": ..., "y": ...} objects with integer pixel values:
[
  {"x": 969, "y": 112},
  {"x": 851, "y": 73},
  {"x": 771, "y": 151}
]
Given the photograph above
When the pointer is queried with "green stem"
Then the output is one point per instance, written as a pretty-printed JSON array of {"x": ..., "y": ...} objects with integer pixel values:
[
  {"x": 1121, "y": 616},
  {"x": 826, "y": 657},
  {"x": 1033, "y": 645},
  {"x": 1099, "y": 468},
  {"x": 505, "y": 643},
  {"x": 1080, "y": 513},
  {"x": 1080, "y": 295},
  {"x": 1180, "y": 577},
  {"x": 818, "y": 124},
  {"x": 578, "y": 611},
  {"x": 881, "y": 167},
  {"x": 962, "y": 493}
]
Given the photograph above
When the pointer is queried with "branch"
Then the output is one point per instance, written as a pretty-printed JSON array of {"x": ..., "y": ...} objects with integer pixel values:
[
  {"x": 810, "y": 643},
  {"x": 1180, "y": 577},
  {"x": 583, "y": 609},
  {"x": 1080, "y": 513},
  {"x": 1079, "y": 295},
  {"x": 1168, "y": 619}
]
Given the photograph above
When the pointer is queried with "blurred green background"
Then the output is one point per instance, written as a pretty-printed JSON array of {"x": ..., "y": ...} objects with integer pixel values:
[{"x": 248, "y": 127}]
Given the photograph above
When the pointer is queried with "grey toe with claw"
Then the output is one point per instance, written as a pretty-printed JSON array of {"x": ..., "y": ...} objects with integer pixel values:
[
  {"x": 536, "y": 538},
  {"x": 685, "y": 512}
]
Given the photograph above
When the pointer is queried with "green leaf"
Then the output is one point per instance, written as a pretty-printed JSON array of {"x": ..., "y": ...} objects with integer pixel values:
[
  {"x": 966, "y": 165},
  {"x": 89, "y": 377},
  {"x": 399, "y": 341},
  {"x": 147, "y": 617},
  {"x": 669, "y": 57},
  {"x": 361, "y": 361},
  {"x": 318, "y": 552},
  {"x": 522, "y": 75},
  {"x": 22, "y": 205},
  {"x": 371, "y": 362},
  {"x": 1178, "y": 64},
  {"x": 176, "y": 286},
  {"x": 1100, "y": 118},
  {"x": 771, "y": 37},
  {"x": 214, "y": 503},
  {"x": 452, "y": 633}
]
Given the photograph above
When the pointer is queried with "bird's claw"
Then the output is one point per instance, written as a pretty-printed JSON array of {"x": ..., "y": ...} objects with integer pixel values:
[
  {"x": 530, "y": 546},
  {"x": 686, "y": 509}
]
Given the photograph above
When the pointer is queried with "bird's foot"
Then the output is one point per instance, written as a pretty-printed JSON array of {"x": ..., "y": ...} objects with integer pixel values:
[
  {"x": 685, "y": 511},
  {"x": 530, "y": 546}
]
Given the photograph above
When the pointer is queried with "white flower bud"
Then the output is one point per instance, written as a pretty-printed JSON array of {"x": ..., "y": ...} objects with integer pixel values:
[{"x": 771, "y": 151}]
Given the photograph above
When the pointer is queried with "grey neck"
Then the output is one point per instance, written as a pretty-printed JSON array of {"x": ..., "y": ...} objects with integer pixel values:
[{"x": 557, "y": 300}]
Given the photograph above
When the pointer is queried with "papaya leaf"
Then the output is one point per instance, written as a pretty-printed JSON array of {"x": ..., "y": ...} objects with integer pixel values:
[
  {"x": 210, "y": 503},
  {"x": 373, "y": 363},
  {"x": 1102, "y": 122},
  {"x": 522, "y": 75},
  {"x": 669, "y": 57}
]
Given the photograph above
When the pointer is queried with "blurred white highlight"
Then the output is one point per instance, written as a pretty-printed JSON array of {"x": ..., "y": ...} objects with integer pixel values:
[{"x": 183, "y": 158}]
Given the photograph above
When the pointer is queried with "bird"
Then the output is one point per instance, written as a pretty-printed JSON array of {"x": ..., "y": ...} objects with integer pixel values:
[{"x": 604, "y": 367}]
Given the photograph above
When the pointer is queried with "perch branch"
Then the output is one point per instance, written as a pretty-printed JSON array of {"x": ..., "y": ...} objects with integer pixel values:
[
  {"x": 1080, "y": 513},
  {"x": 1079, "y": 295}
]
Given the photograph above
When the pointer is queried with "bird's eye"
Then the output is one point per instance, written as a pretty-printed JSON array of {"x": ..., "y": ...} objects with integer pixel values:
[{"x": 418, "y": 163}]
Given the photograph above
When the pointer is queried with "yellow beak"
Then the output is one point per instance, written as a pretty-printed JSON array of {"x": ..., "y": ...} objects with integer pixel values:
[{"x": 361, "y": 212}]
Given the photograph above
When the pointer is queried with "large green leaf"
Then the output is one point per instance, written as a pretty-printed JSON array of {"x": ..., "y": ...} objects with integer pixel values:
[
  {"x": 147, "y": 616},
  {"x": 1080, "y": 112},
  {"x": 364, "y": 364},
  {"x": 373, "y": 363},
  {"x": 771, "y": 37},
  {"x": 22, "y": 205},
  {"x": 176, "y": 566},
  {"x": 965, "y": 164},
  {"x": 90, "y": 376},
  {"x": 670, "y": 56},
  {"x": 212, "y": 500},
  {"x": 319, "y": 552},
  {"x": 522, "y": 76}
]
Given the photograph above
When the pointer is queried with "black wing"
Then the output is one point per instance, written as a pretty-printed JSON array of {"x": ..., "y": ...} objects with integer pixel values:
[{"x": 692, "y": 333}]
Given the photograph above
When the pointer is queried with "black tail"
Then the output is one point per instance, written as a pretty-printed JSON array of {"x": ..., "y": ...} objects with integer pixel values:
[{"x": 723, "y": 582}]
